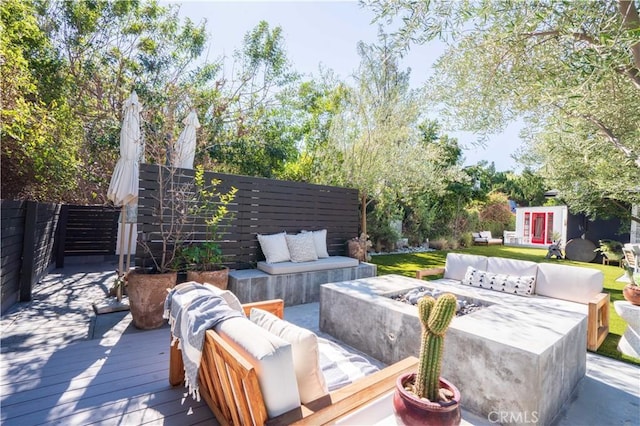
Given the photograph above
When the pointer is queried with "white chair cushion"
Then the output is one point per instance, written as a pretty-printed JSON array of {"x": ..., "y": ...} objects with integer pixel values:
[
  {"x": 514, "y": 284},
  {"x": 570, "y": 283},
  {"x": 272, "y": 358},
  {"x": 274, "y": 247},
  {"x": 456, "y": 265},
  {"x": 302, "y": 247},
  {"x": 485, "y": 234},
  {"x": 499, "y": 265},
  {"x": 306, "y": 356}
]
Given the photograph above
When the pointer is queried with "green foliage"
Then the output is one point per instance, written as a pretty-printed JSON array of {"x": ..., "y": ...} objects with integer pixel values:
[
  {"x": 495, "y": 214},
  {"x": 435, "y": 316},
  {"x": 212, "y": 205},
  {"x": 571, "y": 69},
  {"x": 39, "y": 130}
]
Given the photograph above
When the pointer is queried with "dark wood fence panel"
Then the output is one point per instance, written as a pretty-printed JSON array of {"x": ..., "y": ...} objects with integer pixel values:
[
  {"x": 12, "y": 216},
  {"x": 89, "y": 230},
  {"x": 262, "y": 206},
  {"x": 28, "y": 241}
]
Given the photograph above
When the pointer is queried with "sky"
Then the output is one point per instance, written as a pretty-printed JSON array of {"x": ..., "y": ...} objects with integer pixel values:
[{"x": 326, "y": 33}]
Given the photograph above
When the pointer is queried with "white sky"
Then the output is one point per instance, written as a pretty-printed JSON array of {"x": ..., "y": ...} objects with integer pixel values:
[{"x": 327, "y": 32}]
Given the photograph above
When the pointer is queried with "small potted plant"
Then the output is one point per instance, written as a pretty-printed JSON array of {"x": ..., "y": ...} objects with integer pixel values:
[
  {"x": 425, "y": 398},
  {"x": 631, "y": 291},
  {"x": 204, "y": 261}
]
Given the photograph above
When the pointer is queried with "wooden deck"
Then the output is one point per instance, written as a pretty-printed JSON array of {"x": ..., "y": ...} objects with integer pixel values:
[{"x": 60, "y": 364}]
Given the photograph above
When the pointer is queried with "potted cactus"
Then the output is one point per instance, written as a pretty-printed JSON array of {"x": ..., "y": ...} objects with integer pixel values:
[{"x": 424, "y": 397}]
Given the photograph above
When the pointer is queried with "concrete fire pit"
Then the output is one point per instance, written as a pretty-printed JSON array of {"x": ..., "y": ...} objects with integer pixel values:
[{"x": 515, "y": 361}]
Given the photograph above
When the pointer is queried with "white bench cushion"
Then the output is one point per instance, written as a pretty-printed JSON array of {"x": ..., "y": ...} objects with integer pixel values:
[
  {"x": 272, "y": 358},
  {"x": 333, "y": 262}
]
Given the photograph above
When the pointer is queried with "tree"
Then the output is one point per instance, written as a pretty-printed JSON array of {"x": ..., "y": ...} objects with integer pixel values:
[
  {"x": 40, "y": 134},
  {"x": 572, "y": 69},
  {"x": 374, "y": 143},
  {"x": 251, "y": 120}
]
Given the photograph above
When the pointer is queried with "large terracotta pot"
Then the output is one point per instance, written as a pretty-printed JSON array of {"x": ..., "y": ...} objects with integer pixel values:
[
  {"x": 219, "y": 278},
  {"x": 631, "y": 293},
  {"x": 410, "y": 410},
  {"x": 147, "y": 293}
]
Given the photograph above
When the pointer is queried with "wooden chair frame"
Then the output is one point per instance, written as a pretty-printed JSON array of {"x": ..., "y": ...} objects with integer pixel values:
[{"x": 229, "y": 384}]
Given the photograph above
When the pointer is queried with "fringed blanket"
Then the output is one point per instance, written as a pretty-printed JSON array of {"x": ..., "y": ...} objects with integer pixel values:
[{"x": 192, "y": 309}]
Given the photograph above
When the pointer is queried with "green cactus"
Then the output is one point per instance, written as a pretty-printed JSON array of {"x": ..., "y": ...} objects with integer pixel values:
[{"x": 435, "y": 317}]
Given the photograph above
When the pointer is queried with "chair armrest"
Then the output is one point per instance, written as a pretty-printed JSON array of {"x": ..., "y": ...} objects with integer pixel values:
[
  {"x": 275, "y": 306},
  {"x": 428, "y": 272},
  {"x": 350, "y": 397}
]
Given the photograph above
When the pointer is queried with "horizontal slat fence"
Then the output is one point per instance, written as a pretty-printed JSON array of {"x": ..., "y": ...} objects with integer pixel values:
[
  {"x": 28, "y": 237},
  {"x": 261, "y": 205},
  {"x": 87, "y": 231}
]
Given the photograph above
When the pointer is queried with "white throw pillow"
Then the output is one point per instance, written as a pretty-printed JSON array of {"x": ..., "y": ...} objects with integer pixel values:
[
  {"x": 485, "y": 234},
  {"x": 274, "y": 247},
  {"x": 306, "y": 356},
  {"x": 302, "y": 247},
  {"x": 520, "y": 285},
  {"x": 320, "y": 239}
]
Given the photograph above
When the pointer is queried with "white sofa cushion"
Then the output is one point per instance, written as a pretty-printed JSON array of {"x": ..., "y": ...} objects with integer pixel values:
[
  {"x": 333, "y": 262},
  {"x": 500, "y": 265},
  {"x": 272, "y": 358},
  {"x": 514, "y": 284},
  {"x": 274, "y": 247},
  {"x": 302, "y": 247},
  {"x": 485, "y": 234},
  {"x": 570, "y": 283},
  {"x": 306, "y": 356},
  {"x": 456, "y": 265}
]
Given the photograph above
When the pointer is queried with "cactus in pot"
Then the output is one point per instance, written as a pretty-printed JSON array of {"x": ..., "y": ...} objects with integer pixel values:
[
  {"x": 435, "y": 317},
  {"x": 425, "y": 398}
]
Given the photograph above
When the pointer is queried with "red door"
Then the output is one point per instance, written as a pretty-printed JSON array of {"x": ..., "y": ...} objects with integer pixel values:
[{"x": 539, "y": 222}]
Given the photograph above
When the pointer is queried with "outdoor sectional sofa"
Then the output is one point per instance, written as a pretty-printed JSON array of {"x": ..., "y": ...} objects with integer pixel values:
[
  {"x": 580, "y": 286},
  {"x": 265, "y": 371},
  {"x": 485, "y": 238}
]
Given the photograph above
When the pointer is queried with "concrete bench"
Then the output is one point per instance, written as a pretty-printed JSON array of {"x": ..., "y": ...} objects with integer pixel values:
[{"x": 295, "y": 288}]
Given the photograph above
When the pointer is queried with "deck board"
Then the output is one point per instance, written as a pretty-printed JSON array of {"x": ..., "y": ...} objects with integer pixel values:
[
  {"x": 122, "y": 381},
  {"x": 56, "y": 369}
]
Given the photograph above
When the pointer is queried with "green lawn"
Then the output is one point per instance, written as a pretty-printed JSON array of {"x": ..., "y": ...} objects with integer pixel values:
[{"x": 408, "y": 264}]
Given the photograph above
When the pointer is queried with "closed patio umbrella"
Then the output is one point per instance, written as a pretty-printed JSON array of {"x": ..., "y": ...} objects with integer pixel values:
[
  {"x": 185, "y": 148},
  {"x": 123, "y": 189}
]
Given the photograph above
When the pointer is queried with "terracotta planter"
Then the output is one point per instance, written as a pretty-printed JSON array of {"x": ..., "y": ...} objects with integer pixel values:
[
  {"x": 631, "y": 294},
  {"x": 147, "y": 293},
  {"x": 410, "y": 410},
  {"x": 218, "y": 278}
]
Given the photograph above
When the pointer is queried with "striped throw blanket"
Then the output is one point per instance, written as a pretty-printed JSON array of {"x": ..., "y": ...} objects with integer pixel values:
[{"x": 192, "y": 309}]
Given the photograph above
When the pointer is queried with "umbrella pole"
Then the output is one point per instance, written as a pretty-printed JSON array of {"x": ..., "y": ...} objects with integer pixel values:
[
  {"x": 121, "y": 262},
  {"x": 129, "y": 249}
]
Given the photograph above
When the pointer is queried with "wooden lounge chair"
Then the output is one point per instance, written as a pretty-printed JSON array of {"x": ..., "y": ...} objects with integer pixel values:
[{"x": 229, "y": 383}]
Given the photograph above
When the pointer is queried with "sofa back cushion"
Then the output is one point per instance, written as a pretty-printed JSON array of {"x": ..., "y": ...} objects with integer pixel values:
[
  {"x": 456, "y": 265},
  {"x": 272, "y": 358},
  {"x": 570, "y": 283},
  {"x": 514, "y": 267},
  {"x": 306, "y": 355}
]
